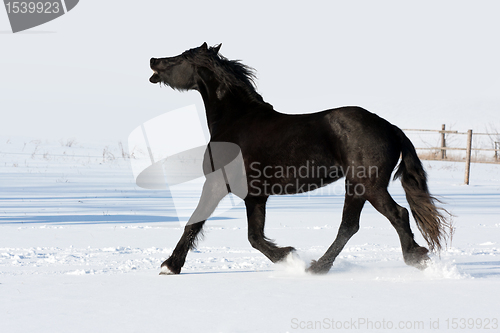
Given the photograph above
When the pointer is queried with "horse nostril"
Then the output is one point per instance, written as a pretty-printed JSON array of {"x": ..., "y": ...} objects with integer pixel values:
[{"x": 152, "y": 61}]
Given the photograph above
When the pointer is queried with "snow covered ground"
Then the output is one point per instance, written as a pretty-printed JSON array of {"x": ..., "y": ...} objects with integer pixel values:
[{"x": 81, "y": 246}]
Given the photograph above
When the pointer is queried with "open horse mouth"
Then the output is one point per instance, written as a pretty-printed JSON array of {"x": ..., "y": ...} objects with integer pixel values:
[{"x": 155, "y": 78}]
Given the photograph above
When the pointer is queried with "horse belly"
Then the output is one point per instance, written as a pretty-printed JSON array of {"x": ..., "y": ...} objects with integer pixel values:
[{"x": 290, "y": 179}]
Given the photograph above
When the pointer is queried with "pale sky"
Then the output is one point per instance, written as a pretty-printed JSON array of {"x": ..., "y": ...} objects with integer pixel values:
[{"x": 416, "y": 63}]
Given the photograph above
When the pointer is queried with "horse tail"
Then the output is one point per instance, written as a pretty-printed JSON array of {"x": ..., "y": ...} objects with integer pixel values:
[{"x": 432, "y": 221}]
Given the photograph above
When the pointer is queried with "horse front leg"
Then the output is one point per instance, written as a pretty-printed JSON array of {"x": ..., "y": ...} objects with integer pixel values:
[
  {"x": 256, "y": 214},
  {"x": 213, "y": 192}
]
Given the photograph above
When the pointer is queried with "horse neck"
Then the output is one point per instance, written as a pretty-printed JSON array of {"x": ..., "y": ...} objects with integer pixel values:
[{"x": 223, "y": 112}]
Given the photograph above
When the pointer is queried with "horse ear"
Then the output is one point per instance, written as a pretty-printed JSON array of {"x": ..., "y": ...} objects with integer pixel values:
[
  {"x": 204, "y": 46},
  {"x": 217, "y": 48}
]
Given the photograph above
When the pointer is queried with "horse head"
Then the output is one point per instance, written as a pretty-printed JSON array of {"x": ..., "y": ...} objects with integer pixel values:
[{"x": 181, "y": 72}]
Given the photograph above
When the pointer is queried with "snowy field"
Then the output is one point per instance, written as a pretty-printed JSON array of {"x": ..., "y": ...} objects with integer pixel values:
[{"x": 81, "y": 246}]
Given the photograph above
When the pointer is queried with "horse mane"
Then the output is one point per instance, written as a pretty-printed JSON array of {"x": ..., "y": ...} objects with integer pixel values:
[{"x": 231, "y": 73}]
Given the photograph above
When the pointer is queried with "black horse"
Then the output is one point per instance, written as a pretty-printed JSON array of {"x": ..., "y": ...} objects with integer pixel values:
[{"x": 344, "y": 142}]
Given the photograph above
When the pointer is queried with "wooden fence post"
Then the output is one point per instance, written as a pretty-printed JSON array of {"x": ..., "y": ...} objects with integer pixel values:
[
  {"x": 497, "y": 145},
  {"x": 443, "y": 142},
  {"x": 467, "y": 156}
]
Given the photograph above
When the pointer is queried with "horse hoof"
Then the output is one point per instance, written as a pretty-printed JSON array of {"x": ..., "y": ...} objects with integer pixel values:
[
  {"x": 281, "y": 254},
  {"x": 418, "y": 258},
  {"x": 168, "y": 269},
  {"x": 318, "y": 268},
  {"x": 287, "y": 251},
  {"x": 423, "y": 264}
]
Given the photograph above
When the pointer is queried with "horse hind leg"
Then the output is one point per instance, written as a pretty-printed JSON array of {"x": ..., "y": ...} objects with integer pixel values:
[
  {"x": 353, "y": 205},
  {"x": 256, "y": 213},
  {"x": 413, "y": 254}
]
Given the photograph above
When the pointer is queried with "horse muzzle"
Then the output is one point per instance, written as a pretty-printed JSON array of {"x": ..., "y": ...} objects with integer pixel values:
[{"x": 155, "y": 78}]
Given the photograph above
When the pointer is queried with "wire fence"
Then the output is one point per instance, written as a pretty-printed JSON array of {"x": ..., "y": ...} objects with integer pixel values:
[{"x": 440, "y": 153}]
